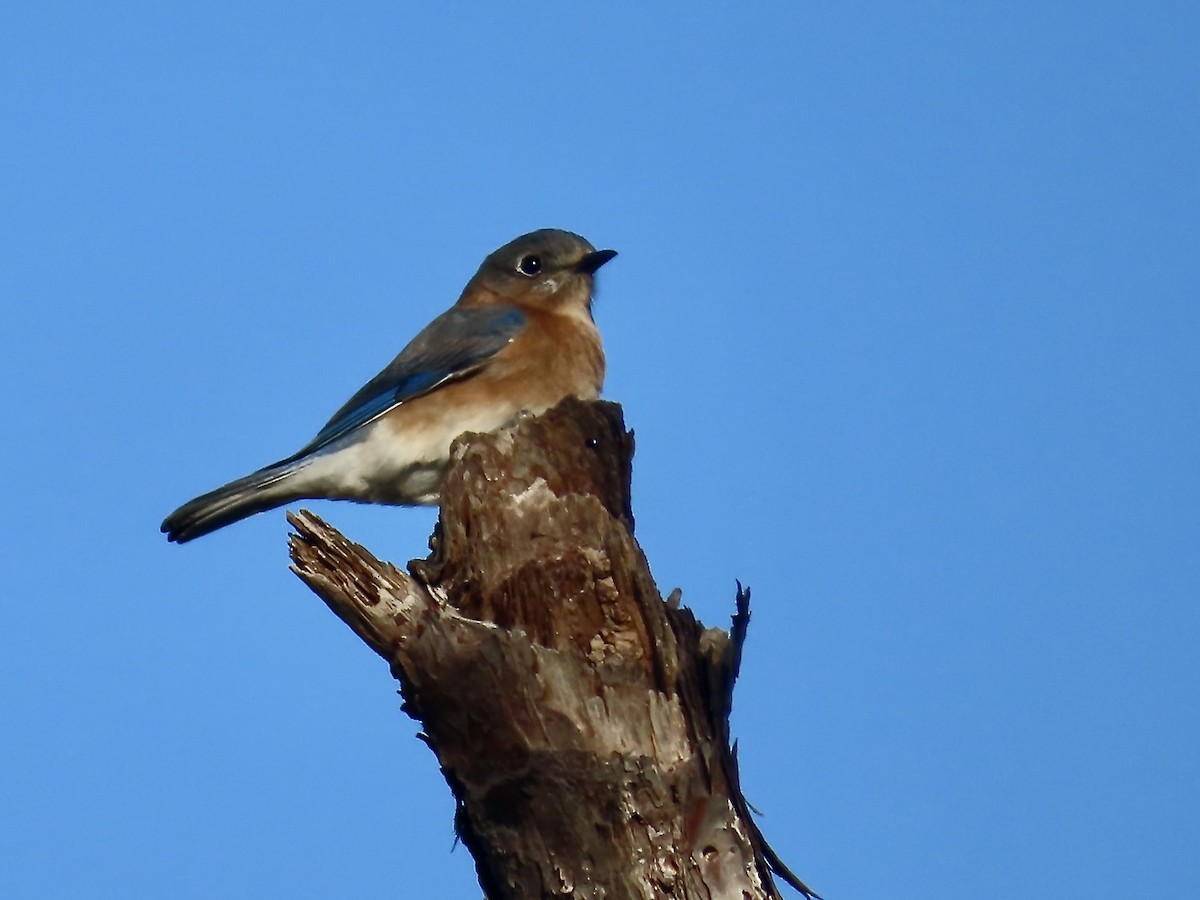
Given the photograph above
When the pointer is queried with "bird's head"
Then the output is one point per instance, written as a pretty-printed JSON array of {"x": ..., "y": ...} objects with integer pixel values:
[{"x": 548, "y": 269}]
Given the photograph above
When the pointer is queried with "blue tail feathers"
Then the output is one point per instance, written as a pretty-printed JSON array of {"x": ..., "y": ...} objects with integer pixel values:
[{"x": 257, "y": 492}]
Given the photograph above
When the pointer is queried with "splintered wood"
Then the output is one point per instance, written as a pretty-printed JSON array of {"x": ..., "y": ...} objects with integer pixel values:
[{"x": 581, "y": 721}]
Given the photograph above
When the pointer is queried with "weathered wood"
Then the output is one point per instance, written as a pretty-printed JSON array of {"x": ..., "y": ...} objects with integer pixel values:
[{"x": 581, "y": 722}]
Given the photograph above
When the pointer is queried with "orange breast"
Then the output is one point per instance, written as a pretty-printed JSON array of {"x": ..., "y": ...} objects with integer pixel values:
[{"x": 555, "y": 356}]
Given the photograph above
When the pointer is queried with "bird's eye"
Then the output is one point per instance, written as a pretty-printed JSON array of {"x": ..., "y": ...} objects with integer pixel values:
[{"x": 530, "y": 265}]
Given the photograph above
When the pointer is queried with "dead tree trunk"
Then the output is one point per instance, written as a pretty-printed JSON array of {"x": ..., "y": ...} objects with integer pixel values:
[{"x": 581, "y": 721}]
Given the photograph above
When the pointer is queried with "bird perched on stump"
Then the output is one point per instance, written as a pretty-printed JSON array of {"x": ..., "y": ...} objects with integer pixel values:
[{"x": 521, "y": 337}]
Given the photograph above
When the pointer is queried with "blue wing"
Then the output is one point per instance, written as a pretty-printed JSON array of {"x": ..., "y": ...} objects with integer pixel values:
[{"x": 454, "y": 345}]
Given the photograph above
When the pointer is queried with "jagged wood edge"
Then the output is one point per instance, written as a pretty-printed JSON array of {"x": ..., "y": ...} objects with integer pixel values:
[
  {"x": 389, "y": 608},
  {"x": 739, "y": 629}
]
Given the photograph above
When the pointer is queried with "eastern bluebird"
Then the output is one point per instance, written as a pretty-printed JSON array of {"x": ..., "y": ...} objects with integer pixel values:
[{"x": 521, "y": 337}]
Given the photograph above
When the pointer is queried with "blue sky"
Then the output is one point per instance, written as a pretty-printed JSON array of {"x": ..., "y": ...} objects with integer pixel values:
[{"x": 905, "y": 320}]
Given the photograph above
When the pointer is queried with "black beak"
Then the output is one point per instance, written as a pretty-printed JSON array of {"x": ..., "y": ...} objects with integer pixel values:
[{"x": 593, "y": 261}]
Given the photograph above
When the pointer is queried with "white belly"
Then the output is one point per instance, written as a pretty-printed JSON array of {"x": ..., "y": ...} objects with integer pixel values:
[{"x": 384, "y": 463}]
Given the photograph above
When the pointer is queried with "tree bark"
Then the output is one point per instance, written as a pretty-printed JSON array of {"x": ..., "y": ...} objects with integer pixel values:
[{"x": 581, "y": 722}]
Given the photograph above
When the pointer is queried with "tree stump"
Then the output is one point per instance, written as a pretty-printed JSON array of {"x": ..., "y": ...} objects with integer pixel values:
[{"x": 581, "y": 722}]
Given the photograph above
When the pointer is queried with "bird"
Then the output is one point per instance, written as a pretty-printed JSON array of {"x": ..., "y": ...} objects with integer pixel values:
[{"x": 520, "y": 338}]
